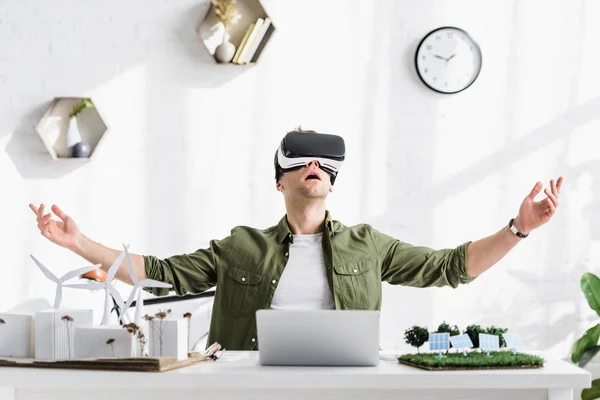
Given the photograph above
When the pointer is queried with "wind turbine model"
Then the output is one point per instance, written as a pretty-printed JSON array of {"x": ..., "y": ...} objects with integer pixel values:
[
  {"x": 137, "y": 285},
  {"x": 65, "y": 277},
  {"x": 109, "y": 289}
]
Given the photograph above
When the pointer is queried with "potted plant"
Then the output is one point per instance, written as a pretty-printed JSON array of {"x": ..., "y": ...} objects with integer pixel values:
[
  {"x": 586, "y": 347},
  {"x": 75, "y": 146},
  {"x": 227, "y": 13}
]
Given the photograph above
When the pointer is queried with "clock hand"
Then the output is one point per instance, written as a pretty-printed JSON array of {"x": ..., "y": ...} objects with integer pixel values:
[
  {"x": 436, "y": 56},
  {"x": 451, "y": 57}
]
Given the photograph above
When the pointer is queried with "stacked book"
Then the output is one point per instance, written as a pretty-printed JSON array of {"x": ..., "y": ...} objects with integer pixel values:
[{"x": 253, "y": 43}]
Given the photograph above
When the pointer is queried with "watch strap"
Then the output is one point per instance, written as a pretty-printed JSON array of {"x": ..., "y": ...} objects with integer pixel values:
[{"x": 514, "y": 229}]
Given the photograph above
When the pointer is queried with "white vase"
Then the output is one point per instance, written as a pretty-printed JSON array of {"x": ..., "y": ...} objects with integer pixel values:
[
  {"x": 72, "y": 137},
  {"x": 225, "y": 51}
]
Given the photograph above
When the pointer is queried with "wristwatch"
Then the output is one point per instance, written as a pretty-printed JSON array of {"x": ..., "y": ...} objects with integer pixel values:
[{"x": 514, "y": 229}]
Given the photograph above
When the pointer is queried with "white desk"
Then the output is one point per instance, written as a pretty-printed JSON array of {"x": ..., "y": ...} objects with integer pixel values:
[{"x": 246, "y": 379}]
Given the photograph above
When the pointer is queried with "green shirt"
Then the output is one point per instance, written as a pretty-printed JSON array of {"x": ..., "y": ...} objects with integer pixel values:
[{"x": 247, "y": 265}]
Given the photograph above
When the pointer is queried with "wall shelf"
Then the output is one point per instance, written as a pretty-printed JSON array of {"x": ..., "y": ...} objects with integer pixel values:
[
  {"x": 53, "y": 126},
  {"x": 211, "y": 30}
]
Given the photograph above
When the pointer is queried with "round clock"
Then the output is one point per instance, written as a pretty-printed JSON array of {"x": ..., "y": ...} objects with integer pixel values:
[{"x": 448, "y": 60}]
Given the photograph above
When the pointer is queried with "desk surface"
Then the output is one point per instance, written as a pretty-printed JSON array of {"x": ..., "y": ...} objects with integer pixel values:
[{"x": 246, "y": 373}]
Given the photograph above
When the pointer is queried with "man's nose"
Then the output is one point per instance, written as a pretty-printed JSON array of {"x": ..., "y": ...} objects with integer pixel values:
[{"x": 313, "y": 162}]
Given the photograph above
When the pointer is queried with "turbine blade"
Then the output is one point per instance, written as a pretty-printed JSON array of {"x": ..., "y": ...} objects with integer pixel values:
[
  {"x": 77, "y": 272},
  {"x": 130, "y": 265},
  {"x": 45, "y": 270},
  {"x": 58, "y": 295},
  {"x": 131, "y": 295},
  {"x": 89, "y": 286},
  {"x": 112, "y": 271},
  {"x": 118, "y": 299}
]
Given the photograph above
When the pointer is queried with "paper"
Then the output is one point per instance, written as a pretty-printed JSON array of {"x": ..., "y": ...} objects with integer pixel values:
[{"x": 232, "y": 356}]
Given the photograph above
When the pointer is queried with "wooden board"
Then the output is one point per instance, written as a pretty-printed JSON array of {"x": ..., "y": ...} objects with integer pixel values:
[
  {"x": 139, "y": 364},
  {"x": 428, "y": 368}
]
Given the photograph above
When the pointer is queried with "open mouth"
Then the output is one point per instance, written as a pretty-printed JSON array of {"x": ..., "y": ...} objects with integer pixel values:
[{"x": 312, "y": 176}]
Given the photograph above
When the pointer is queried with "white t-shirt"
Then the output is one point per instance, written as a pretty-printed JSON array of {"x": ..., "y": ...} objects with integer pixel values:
[{"x": 303, "y": 284}]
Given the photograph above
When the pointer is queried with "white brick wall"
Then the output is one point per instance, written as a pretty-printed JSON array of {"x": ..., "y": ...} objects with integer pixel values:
[{"x": 430, "y": 169}]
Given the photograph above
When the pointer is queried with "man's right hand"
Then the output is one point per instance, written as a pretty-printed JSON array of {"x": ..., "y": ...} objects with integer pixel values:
[{"x": 64, "y": 233}]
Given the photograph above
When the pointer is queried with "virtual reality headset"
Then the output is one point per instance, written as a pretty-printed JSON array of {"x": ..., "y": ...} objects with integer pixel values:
[{"x": 299, "y": 148}]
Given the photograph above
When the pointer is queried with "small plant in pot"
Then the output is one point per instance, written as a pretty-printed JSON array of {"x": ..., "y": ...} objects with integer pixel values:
[{"x": 75, "y": 146}]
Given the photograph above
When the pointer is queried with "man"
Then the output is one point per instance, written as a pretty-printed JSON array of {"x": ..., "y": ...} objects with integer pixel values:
[{"x": 308, "y": 260}]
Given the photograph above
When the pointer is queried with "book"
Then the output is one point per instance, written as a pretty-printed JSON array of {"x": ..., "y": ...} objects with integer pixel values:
[
  {"x": 258, "y": 39},
  {"x": 242, "y": 43},
  {"x": 262, "y": 44},
  {"x": 243, "y": 56}
]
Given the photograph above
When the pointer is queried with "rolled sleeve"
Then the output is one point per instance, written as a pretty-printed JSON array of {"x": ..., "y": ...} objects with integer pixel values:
[
  {"x": 418, "y": 266},
  {"x": 188, "y": 273}
]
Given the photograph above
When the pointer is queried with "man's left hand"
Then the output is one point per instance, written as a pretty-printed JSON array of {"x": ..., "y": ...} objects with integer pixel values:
[{"x": 533, "y": 214}]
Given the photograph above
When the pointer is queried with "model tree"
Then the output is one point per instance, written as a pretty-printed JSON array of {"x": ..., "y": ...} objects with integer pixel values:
[
  {"x": 416, "y": 336},
  {"x": 473, "y": 331},
  {"x": 451, "y": 329}
]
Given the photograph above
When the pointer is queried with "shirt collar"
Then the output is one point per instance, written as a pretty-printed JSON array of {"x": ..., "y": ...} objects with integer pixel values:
[{"x": 284, "y": 232}]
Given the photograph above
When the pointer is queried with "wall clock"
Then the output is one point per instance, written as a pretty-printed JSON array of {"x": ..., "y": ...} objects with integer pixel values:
[{"x": 448, "y": 60}]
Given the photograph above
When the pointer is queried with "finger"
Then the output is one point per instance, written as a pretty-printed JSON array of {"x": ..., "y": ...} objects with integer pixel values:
[
  {"x": 553, "y": 187},
  {"x": 552, "y": 197},
  {"x": 559, "y": 184},
  {"x": 40, "y": 212},
  {"x": 33, "y": 208},
  {"x": 536, "y": 190},
  {"x": 45, "y": 225},
  {"x": 60, "y": 213},
  {"x": 46, "y": 218},
  {"x": 550, "y": 208}
]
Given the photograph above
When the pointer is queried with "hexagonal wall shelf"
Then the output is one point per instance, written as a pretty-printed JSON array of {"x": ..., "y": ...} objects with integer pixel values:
[
  {"x": 249, "y": 35},
  {"x": 52, "y": 127}
]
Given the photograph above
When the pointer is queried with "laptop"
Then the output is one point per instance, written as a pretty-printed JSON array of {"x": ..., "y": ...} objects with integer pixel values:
[{"x": 318, "y": 337}]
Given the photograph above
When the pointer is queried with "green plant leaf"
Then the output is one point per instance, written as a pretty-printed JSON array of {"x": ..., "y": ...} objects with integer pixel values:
[
  {"x": 588, "y": 340},
  {"x": 590, "y": 285},
  {"x": 88, "y": 103},
  {"x": 587, "y": 356},
  {"x": 593, "y": 392}
]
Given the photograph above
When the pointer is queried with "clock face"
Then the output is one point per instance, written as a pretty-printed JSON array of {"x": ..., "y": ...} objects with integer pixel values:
[{"x": 448, "y": 60}]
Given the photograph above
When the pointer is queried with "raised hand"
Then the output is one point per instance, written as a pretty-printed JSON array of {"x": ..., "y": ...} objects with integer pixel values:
[
  {"x": 64, "y": 233},
  {"x": 533, "y": 214}
]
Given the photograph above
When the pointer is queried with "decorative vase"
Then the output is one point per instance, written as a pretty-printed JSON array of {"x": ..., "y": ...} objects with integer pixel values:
[
  {"x": 225, "y": 51},
  {"x": 74, "y": 145}
]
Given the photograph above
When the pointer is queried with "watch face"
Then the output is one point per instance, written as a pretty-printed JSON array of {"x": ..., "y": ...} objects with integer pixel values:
[{"x": 448, "y": 60}]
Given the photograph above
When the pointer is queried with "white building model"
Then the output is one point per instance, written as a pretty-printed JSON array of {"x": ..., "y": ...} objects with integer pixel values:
[{"x": 54, "y": 328}]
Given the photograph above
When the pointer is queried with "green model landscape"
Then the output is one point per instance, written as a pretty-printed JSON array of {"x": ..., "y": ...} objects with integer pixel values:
[
  {"x": 471, "y": 359},
  {"x": 474, "y": 359}
]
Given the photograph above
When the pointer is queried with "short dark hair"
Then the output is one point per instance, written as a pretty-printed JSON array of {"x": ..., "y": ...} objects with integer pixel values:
[{"x": 278, "y": 170}]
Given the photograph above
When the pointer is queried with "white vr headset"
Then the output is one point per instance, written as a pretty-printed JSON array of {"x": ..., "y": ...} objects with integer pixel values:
[{"x": 300, "y": 148}]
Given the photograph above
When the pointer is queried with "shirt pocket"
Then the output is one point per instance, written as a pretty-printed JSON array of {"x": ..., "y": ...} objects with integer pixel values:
[
  {"x": 356, "y": 283},
  {"x": 242, "y": 290}
]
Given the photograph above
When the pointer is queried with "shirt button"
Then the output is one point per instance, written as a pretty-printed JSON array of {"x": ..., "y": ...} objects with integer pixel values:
[
  {"x": 286, "y": 254},
  {"x": 244, "y": 279},
  {"x": 355, "y": 270},
  {"x": 253, "y": 340},
  {"x": 274, "y": 281}
]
